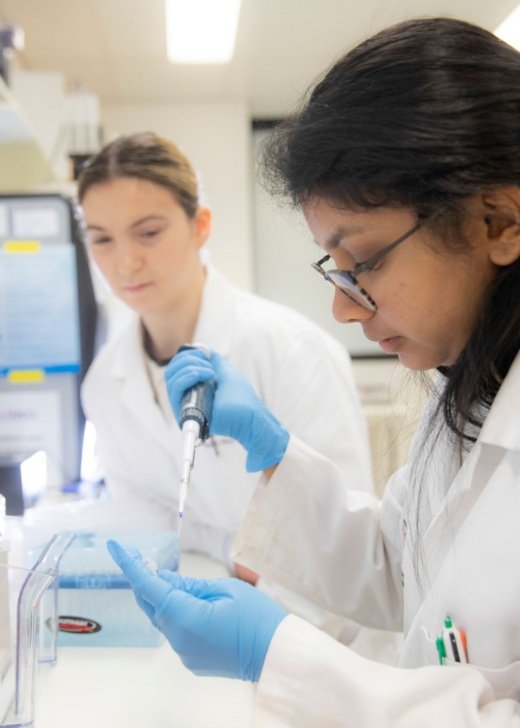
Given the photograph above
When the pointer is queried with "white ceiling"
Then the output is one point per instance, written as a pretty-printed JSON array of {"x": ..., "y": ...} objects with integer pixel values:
[{"x": 116, "y": 48}]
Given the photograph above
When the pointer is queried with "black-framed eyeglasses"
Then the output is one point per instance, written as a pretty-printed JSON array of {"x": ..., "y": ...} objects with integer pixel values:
[{"x": 346, "y": 280}]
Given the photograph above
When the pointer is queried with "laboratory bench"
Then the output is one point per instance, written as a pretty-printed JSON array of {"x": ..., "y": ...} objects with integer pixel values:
[{"x": 135, "y": 687}]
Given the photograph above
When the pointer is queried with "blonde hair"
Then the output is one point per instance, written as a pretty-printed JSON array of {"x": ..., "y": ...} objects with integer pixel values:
[{"x": 144, "y": 156}]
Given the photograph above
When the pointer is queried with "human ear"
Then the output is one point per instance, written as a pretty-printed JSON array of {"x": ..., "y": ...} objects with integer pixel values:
[
  {"x": 202, "y": 221},
  {"x": 502, "y": 219}
]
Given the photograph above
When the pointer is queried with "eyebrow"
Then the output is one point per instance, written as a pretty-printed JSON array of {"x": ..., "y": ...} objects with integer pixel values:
[
  {"x": 334, "y": 240},
  {"x": 135, "y": 224}
]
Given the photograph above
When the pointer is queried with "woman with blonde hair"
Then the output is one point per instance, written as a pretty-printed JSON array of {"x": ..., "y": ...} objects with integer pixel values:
[{"x": 146, "y": 233}]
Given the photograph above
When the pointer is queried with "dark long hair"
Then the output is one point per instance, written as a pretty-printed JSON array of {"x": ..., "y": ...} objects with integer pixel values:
[{"x": 422, "y": 115}]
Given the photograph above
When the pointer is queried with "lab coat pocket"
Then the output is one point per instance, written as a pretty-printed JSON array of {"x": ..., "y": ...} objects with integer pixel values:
[{"x": 504, "y": 681}]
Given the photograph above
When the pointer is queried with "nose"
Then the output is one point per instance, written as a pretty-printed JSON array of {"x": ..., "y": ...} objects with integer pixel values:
[
  {"x": 129, "y": 259},
  {"x": 346, "y": 311}
]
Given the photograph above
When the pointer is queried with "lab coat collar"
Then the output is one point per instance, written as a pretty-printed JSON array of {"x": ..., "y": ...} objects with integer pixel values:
[
  {"x": 214, "y": 329},
  {"x": 217, "y": 312},
  {"x": 502, "y": 425},
  {"x": 129, "y": 355},
  {"x": 129, "y": 370}
]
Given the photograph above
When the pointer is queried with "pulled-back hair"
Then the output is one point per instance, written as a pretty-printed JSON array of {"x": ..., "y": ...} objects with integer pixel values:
[
  {"x": 422, "y": 115},
  {"x": 144, "y": 156}
]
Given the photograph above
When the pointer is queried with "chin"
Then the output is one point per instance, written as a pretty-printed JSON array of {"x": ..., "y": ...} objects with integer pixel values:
[{"x": 419, "y": 362}]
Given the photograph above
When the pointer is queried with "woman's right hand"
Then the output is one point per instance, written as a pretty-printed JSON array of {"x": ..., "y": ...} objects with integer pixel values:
[{"x": 237, "y": 410}]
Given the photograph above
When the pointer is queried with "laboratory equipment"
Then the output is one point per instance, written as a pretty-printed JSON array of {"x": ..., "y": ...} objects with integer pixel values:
[
  {"x": 95, "y": 602},
  {"x": 47, "y": 337},
  {"x": 194, "y": 421},
  {"x": 239, "y": 412},
  {"x": 22, "y": 589}
]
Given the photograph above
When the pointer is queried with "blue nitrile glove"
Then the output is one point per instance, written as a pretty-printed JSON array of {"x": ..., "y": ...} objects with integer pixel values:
[
  {"x": 237, "y": 410},
  {"x": 220, "y": 627}
]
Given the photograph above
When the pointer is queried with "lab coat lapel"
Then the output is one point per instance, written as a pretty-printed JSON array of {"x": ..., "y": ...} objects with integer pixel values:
[
  {"x": 130, "y": 376},
  {"x": 502, "y": 427},
  {"x": 467, "y": 486},
  {"x": 493, "y": 441},
  {"x": 217, "y": 315},
  {"x": 426, "y": 611},
  {"x": 464, "y": 492},
  {"x": 214, "y": 328}
]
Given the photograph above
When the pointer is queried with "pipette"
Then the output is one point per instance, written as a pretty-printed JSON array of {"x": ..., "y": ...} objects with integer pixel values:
[{"x": 194, "y": 421}]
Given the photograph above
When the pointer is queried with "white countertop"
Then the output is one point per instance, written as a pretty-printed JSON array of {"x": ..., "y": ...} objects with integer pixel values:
[{"x": 139, "y": 687}]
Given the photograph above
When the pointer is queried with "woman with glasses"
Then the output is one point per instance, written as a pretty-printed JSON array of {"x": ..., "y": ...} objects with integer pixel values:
[
  {"x": 405, "y": 159},
  {"x": 146, "y": 233}
]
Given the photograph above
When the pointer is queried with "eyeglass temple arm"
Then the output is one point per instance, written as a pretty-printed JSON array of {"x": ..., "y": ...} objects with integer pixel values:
[{"x": 371, "y": 262}]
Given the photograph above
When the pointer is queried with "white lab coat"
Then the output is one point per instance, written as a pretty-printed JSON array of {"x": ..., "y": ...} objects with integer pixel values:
[
  {"x": 296, "y": 368},
  {"x": 355, "y": 557}
]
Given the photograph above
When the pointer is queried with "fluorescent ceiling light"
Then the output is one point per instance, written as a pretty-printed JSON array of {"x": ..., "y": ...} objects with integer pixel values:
[
  {"x": 201, "y": 31},
  {"x": 509, "y": 30}
]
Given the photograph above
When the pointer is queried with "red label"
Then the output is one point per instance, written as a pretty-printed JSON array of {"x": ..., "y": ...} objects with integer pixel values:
[{"x": 77, "y": 625}]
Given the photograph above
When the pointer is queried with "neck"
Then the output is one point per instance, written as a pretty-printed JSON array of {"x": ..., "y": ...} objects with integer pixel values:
[{"x": 165, "y": 332}]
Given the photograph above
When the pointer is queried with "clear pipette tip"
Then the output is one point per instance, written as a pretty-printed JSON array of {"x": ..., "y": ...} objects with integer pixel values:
[
  {"x": 182, "y": 495},
  {"x": 190, "y": 437}
]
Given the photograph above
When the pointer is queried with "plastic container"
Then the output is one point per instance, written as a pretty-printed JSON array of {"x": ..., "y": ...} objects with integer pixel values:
[
  {"x": 25, "y": 544},
  {"x": 96, "y": 605},
  {"x": 21, "y": 590}
]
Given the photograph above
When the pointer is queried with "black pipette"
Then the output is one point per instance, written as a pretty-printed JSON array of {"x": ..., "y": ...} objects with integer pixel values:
[{"x": 194, "y": 421}]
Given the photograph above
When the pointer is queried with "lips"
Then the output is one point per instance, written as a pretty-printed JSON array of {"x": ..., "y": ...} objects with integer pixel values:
[
  {"x": 136, "y": 287},
  {"x": 390, "y": 345}
]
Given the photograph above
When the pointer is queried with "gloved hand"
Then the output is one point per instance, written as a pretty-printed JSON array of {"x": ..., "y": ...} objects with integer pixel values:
[
  {"x": 221, "y": 627},
  {"x": 237, "y": 410}
]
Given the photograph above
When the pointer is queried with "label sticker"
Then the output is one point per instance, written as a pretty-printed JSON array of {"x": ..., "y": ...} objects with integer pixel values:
[{"x": 77, "y": 625}]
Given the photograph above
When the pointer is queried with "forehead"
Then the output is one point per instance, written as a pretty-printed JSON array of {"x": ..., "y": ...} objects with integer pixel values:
[
  {"x": 332, "y": 225},
  {"x": 124, "y": 199},
  {"x": 135, "y": 187}
]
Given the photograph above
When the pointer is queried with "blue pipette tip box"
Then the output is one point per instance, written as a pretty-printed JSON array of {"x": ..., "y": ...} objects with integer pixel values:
[{"x": 96, "y": 605}]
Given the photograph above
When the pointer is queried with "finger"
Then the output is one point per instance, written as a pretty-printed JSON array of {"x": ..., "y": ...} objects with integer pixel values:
[
  {"x": 178, "y": 383},
  {"x": 187, "y": 359},
  {"x": 144, "y": 582},
  {"x": 199, "y": 588},
  {"x": 218, "y": 362},
  {"x": 186, "y": 583},
  {"x": 181, "y": 611},
  {"x": 123, "y": 554},
  {"x": 147, "y": 608}
]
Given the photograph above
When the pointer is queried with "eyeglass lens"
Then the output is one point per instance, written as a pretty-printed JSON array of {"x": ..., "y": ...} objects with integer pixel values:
[{"x": 341, "y": 280}]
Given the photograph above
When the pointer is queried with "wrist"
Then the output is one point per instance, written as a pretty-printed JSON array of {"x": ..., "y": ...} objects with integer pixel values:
[
  {"x": 245, "y": 574},
  {"x": 272, "y": 622},
  {"x": 269, "y": 472},
  {"x": 268, "y": 443}
]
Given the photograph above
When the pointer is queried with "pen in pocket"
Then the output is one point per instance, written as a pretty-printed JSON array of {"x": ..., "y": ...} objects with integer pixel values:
[{"x": 452, "y": 644}]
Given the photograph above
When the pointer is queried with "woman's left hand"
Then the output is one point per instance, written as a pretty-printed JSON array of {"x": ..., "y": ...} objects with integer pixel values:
[{"x": 220, "y": 627}]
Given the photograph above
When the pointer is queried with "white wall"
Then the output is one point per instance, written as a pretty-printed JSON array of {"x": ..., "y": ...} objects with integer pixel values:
[
  {"x": 217, "y": 139},
  {"x": 41, "y": 95}
]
